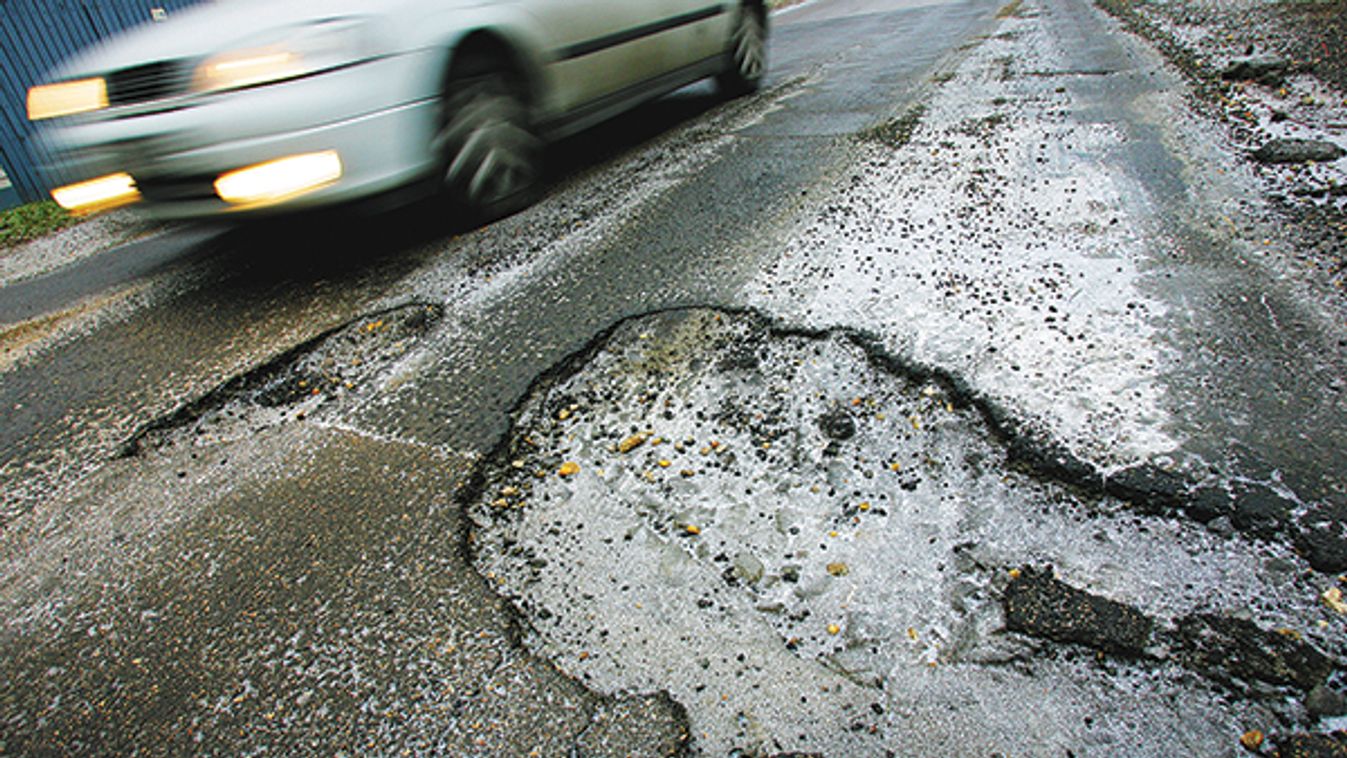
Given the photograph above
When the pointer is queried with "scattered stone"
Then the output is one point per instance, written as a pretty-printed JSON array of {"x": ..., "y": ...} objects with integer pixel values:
[
  {"x": 1251, "y": 740},
  {"x": 1332, "y": 598},
  {"x": 1324, "y": 547},
  {"x": 1224, "y": 647},
  {"x": 838, "y": 424},
  {"x": 1310, "y": 746},
  {"x": 1208, "y": 504},
  {"x": 1281, "y": 569},
  {"x": 1221, "y": 527},
  {"x": 631, "y": 443},
  {"x": 1325, "y": 701},
  {"x": 1038, "y": 604},
  {"x": 748, "y": 568},
  {"x": 1298, "y": 151},
  {"x": 838, "y": 569},
  {"x": 1263, "y": 69}
]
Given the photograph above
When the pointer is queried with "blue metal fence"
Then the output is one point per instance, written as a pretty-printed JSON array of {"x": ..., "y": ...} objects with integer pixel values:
[{"x": 36, "y": 35}]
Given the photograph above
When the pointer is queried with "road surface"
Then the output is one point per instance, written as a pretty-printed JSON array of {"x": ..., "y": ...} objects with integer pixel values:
[{"x": 756, "y": 435}]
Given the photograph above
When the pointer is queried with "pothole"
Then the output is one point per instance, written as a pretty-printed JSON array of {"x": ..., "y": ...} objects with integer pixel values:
[
  {"x": 806, "y": 544},
  {"x": 316, "y": 374}
]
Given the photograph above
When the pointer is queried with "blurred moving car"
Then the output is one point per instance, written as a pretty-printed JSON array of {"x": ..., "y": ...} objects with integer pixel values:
[{"x": 255, "y": 106}]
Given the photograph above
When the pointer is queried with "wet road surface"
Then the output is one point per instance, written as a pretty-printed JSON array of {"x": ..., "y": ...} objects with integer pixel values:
[{"x": 281, "y": 561}]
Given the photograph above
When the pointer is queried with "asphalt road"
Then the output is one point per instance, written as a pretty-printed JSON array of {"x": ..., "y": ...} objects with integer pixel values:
[{"x": 239, "y": 469}]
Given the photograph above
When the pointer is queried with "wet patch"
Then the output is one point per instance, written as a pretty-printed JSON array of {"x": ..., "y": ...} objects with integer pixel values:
[
  {"x": 804, "y": 541},
  {"x": 323, "y": 371}
]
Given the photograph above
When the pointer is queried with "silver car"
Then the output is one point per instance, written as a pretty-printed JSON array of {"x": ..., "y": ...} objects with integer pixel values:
[{"x": 242, "y": 107}]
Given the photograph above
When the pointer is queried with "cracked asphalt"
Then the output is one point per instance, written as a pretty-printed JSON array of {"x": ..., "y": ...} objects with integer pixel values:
[{"x": 955, "y": 394}]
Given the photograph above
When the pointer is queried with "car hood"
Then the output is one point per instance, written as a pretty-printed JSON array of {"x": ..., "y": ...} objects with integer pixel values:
[{"x": 223, "y": 24}]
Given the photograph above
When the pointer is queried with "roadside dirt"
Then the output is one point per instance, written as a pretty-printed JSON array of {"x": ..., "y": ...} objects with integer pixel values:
[{"x": 1308, "y": 100}]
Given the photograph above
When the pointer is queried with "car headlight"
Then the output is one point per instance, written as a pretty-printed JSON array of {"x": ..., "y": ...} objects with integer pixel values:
[
  {"x": 295, "y": 52},
  {"x": 67, "y": 98}
]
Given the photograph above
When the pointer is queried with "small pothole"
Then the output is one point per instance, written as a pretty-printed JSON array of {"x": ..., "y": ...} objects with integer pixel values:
[{"x": 327, "y": 369}]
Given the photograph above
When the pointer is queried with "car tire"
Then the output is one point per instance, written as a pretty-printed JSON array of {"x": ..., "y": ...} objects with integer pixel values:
[
  {"x": 490, "y": 158},
  {"x": 746, "y": 57}
]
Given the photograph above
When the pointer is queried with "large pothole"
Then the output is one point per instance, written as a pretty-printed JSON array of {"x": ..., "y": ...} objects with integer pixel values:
[{"x": 806, "y": 546}]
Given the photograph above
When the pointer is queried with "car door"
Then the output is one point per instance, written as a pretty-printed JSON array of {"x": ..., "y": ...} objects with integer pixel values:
[
  {"x": 698, "y": 30},
  {"x": 599, "y": 48}
]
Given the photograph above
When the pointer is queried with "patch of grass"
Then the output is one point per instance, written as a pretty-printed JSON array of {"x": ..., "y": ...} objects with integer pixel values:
[
  {"x": 1009, "y": 9},
  {"x": 898, "y": 132},
  {"x": 28, "y": 222}
]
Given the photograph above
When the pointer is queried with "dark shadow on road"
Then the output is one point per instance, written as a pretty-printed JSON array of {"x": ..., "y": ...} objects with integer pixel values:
[{"x": 352, "y": 242}]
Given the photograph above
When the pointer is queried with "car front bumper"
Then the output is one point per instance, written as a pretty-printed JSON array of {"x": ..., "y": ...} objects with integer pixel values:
[{"x": 377, "y": 117}]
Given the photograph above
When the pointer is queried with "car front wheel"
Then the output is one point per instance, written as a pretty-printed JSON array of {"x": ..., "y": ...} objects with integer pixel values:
[
  {"x": 746, "y": 59},
  {"x": 490, "y": 157}
]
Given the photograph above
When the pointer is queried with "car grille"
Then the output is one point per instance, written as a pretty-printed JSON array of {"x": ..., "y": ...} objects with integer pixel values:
[
  {"x": 152, "y": 81},
  {"x": 177, "y": 190}
]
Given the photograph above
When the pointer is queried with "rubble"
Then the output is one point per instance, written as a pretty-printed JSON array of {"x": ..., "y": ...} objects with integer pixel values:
[
  {"x": 1292, "y": 150},
  {"x": 1264, "y": 69},
  {"x": 1039, "y": 604}
]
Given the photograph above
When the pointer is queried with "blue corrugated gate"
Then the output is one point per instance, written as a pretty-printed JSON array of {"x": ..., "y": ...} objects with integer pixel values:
[{"x": 35, "y": 35}]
